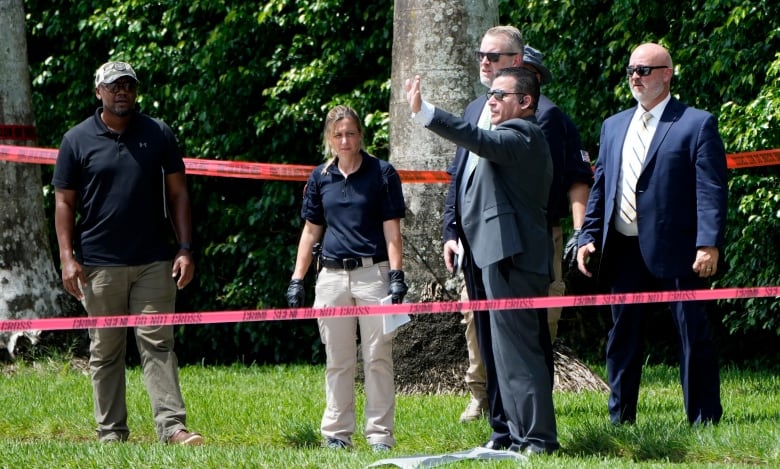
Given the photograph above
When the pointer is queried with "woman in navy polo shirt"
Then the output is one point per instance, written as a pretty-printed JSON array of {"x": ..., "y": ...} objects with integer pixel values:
[{"x": 353, "y": 203}]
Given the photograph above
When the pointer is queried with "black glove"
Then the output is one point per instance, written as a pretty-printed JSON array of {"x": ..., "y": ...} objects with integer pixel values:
[
  {"x": 570, "y": 252},
  {"x": 397, "y": 288},
  {"x": 295, "y": 294}
]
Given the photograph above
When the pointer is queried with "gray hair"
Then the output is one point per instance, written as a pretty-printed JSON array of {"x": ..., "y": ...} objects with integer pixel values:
[{"x": 513, "y": 36}]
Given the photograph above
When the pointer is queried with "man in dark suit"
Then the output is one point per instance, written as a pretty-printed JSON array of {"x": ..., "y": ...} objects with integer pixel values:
[
  {"x": 501, "y": 47},
  {"x": 657, "y": 213},
  {"x": 501, "y": 199}
]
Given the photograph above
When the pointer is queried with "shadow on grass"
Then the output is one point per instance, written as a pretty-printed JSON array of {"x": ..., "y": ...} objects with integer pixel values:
[
  {"x": 301, "y": 435},
  {"x": 636, "y": 442}
]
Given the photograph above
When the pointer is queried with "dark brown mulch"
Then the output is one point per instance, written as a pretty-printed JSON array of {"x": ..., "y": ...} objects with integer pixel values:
[{"x": 430, "y": 358}]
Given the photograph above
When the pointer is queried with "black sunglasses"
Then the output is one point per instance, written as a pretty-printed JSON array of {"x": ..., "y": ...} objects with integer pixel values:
[
  {"x": 643, "y": 70},
  {"x": 499, "y": 94},
  {"x": 113, "y": 88},
  {"x": 492, "y": 56}
]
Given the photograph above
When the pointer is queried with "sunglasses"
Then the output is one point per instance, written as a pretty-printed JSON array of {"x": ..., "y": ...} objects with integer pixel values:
[
  {"x": 643, "y": 70},
  {"x": 499, "y": 94},
  {"x": 492, "y": 56},
  {"x": 113, "y": 88}
]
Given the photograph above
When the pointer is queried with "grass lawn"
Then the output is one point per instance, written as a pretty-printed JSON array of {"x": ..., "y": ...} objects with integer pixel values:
[{"x": 268, "y": 417}]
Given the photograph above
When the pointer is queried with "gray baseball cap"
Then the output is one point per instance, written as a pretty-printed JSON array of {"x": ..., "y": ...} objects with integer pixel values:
[{"x": 109, "y": 72}]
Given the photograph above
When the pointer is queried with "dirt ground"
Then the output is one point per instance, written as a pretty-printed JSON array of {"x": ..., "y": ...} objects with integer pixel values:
[{"x": 430, "y": 357}]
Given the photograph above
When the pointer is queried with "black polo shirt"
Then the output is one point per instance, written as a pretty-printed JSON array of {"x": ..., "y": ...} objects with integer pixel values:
[
  {"x": 354, "y": 208},
  {"x": 122, "y": 216}
]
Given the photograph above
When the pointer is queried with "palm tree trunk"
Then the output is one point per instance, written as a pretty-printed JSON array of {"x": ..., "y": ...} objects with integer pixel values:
[
  {"x": 29, "y": 284},
  {"x": 437, "y": 41}
]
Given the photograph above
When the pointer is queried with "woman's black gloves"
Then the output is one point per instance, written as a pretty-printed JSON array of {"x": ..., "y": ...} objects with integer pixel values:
[
  {"x": 295, "y": 294},
  {"x": 397, "y": 288}
]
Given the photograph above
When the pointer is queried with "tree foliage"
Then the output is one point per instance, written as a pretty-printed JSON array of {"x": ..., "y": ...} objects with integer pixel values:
[
  {"x": 754, "y": 218},
  {"x": 252, "y": 81}
]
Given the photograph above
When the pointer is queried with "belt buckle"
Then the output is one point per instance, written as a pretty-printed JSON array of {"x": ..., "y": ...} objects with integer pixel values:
[{"x": 350, "y": 263}]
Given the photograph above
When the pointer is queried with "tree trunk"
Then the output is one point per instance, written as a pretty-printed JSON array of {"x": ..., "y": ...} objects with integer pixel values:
[
  {"x": 435, "y": 39},
  {"x": 29, "y": 284}
]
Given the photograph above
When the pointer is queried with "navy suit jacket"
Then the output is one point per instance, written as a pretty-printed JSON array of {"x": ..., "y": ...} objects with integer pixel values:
[
  {"x": 569, "y": 164},
  {"x": 449, "y": 223},
  {"x": 681, "y": 193}
]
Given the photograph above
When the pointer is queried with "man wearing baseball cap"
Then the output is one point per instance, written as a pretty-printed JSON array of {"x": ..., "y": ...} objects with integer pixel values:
[
  {"x": 122, "y": 171},
  {"x": 572, "y": 178}
]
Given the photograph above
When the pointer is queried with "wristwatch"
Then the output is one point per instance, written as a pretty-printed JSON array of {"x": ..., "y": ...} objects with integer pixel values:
[{"x": 185, "y": 246}]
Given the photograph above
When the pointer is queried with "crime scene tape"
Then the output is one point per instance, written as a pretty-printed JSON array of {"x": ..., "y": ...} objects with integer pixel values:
[
  {"x": 293, "y": 172},
  {"x": 218, "y": 317},
  {"x": 753, "y": 159},
  {"x": 234, "y": 169}
]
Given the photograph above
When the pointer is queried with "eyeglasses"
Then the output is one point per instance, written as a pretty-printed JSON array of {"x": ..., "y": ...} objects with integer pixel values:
[
  {"x": 492, "y": 56},
  {"x": 113, "y": 88},
  {"x": 499, "y": 94},
  {"x": 643, "y": 70}
]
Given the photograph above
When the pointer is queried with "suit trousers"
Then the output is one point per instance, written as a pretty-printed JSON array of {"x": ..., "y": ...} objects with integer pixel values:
[
  {"x": 699, "y": 374},
  {"x": 358, "y": 287},
  {"x": 523, "y": 355},
  {"x": 119, "y": 291},
  {"x": 481, "y": 319}
]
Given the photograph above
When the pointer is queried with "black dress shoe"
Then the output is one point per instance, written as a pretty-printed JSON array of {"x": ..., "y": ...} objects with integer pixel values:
[
  {"x": 497, "y": 445},
  {"x": 531, "y": 450}
]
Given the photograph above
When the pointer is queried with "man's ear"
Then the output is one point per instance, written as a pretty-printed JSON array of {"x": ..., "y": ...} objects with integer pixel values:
[{"x": 527, "y": 101}]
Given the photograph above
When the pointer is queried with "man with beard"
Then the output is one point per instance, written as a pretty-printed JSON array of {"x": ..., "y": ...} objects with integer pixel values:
[
  {"x": 657, "y": 215},
  {"x": 123, "y": 173}
]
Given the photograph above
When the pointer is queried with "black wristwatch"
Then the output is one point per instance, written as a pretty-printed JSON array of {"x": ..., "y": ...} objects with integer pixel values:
[{"x": 185, "y": 246}]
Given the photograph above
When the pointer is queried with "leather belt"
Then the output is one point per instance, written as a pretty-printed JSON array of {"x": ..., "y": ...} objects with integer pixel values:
[{"x": 350, "y": 263}]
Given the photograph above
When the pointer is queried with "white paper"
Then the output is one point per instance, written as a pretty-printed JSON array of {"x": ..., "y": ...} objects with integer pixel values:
[
  {"x": 391, "y": 322},
  {"x": 421, "y": 462}
]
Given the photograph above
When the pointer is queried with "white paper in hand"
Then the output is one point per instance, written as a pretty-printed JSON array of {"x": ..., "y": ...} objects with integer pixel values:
[{"x": 391, "y": 322}]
